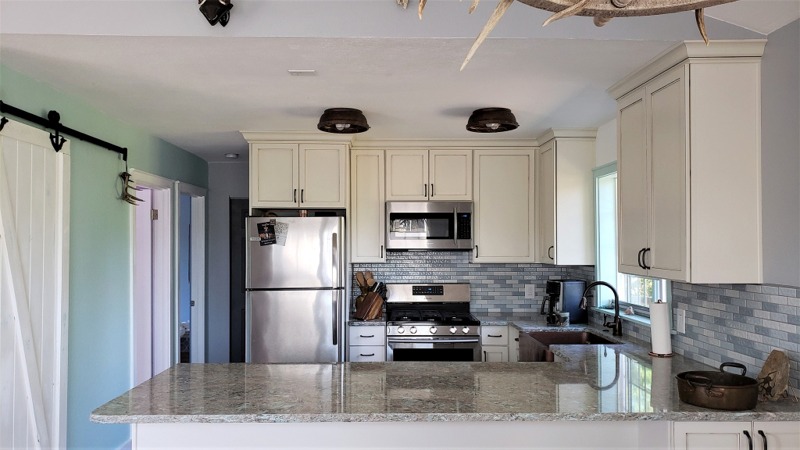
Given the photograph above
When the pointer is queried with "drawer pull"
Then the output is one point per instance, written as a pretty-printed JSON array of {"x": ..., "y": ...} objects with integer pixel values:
[
  {"x": 495, "y": 335},
  {"x": 366, "y": 336},
  {"x": 367, "y": 354}
]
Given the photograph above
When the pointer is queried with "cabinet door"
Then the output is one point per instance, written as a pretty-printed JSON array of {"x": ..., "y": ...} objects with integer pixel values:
[
  {"x": 503, "y": 188},
  {"x": 668, "y": 243},
  {"x": 450, "y": 175},
  {"x": 367, "y": 217},
  {"x": 273, "y": 175},
  {"x": 633, "y": 188},
  {"x": 406, "y": 175},
  {"x": 711, "y": 435},
  {"x": 778, "y": 435},
  {"x": 546, "y": 205},
  {"x": 494, "y": 353},
  {"x": 323, "y": 171}
]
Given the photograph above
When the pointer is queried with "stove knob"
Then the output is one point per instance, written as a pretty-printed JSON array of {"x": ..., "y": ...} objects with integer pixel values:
[
  {"x": 453, "y": 330},
  {"x": 413, "y": 330},
  {"x": 401, "y": 330},
  {"x": 465, "y": 330},
  {"x": 433, "y": 330}
]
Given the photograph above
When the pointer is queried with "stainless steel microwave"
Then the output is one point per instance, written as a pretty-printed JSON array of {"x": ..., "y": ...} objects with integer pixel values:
[{"x": 429, "y": 225}]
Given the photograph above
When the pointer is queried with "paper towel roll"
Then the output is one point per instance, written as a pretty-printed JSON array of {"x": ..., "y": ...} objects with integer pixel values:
[{"x": 660, "y": 337}]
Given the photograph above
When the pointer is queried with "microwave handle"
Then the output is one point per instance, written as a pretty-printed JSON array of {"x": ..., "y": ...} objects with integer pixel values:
[{"x": 455, "y": 225}]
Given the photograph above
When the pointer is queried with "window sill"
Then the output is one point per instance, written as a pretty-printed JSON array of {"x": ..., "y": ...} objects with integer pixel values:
[{"x": 641, "y": 320}]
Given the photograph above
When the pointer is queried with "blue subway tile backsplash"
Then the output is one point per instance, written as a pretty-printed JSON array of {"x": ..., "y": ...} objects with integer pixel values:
[{"x": 724, "y": 322}]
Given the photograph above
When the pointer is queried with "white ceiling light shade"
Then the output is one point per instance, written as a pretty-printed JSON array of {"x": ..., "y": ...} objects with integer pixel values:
[
  {"x": 343, "y": 121},
  {"x": 492, "y": 120}
]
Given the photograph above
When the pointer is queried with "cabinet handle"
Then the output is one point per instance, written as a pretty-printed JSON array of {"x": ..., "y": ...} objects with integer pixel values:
[
  {"x": 644, "y": 260},
  {"x": 302, "y": 195},
  {"x": 764, "y": 437},
  {"x": 294, "y": 196},
  {"x": 749, "y": 439},
  {"x": 426, "y": 189},
  {"x": 366, "y": 335},
  {"x": 476, "y": 251},
  {"x": 495, "y": 335},
  {"x": 549, "y": 250},
  {"x": 367, "y": 354},
  {"x": 432, "y": 194},
  {"x": 639, "y": 258},
  {"x": 381, "y": 251}
]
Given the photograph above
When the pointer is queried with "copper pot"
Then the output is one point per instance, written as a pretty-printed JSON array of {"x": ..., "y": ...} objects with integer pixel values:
[{"x": 718, "y": 390}]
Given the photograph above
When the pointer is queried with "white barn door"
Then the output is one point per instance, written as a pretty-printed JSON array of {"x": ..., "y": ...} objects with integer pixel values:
[{"x": 34, "y": 259}]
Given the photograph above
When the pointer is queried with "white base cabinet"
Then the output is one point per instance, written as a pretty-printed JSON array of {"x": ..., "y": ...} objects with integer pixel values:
[
  {"x": 494, "y": 343},
  {"x": 736, "y": 435},
  {"x": 395, "y": 435},
  {"x": 366, "y": 343}
]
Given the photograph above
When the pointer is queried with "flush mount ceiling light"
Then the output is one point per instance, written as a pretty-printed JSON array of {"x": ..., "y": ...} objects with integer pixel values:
[
  {"x": 342, "y": 120},
  {"x": 491, "y": 120},
  {"x": 216, "y": 11},
  {"x": 601, "y": 10}
]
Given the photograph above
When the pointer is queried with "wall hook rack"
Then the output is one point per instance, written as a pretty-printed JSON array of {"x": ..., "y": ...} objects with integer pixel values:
[
  {"x": 3, "y": 122},
  {"x": 56, "y": 140}
]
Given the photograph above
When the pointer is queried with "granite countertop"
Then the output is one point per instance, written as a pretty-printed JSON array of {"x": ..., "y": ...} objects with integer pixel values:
[{"x": 589, "y": 383}]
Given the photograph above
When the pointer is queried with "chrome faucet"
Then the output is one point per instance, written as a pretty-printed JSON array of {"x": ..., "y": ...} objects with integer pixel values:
[{"x": 616, "y": 324}]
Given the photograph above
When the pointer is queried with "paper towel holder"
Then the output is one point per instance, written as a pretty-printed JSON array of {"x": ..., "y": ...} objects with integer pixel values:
[{"x": 661, "y": 355}]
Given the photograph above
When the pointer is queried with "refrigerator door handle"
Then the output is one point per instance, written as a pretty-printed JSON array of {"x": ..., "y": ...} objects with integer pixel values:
[
  {"x": 335, "y": 316},
  {"x": 335, "y": 263}
]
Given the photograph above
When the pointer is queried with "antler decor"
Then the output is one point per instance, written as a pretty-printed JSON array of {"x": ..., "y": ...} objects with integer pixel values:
[{"x": 601, "y": 10}]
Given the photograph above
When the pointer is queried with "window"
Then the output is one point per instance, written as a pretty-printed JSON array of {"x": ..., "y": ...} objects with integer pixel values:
[{"x": 634, "y": 291}]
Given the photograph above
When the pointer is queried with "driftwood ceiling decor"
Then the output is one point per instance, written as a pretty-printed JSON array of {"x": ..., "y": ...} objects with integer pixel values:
[{"x": 601, "y": 10}]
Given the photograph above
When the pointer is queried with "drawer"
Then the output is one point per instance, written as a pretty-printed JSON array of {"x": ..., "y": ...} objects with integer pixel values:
[
  {"x": 494, "y": 335},
  {"x": 368, "y": 336},
  {"x": 367, "y": 353}
]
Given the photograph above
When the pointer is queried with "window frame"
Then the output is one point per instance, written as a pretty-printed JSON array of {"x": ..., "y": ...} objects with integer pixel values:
[{"x": 664, "y": 286}]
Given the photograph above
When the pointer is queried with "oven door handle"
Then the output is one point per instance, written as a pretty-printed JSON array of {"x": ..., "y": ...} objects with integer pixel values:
[{"x": 425, "y": 340}]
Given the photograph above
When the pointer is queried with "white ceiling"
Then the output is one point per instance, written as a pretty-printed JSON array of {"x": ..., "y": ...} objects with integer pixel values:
[{"x": 159, "y": 66}]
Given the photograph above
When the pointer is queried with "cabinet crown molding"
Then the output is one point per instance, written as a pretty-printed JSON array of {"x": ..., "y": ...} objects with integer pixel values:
[
  {"x": 295, "y": 137},
  {"x": 750, "y": 48},
  {"x": 443, "y": 143},
  {"x": 562, "y": 133}
]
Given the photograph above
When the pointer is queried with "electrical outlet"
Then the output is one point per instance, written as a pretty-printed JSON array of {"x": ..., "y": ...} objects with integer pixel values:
[
  {"x": 530, "y": 291},
  {"x": 681, "y": 325}
]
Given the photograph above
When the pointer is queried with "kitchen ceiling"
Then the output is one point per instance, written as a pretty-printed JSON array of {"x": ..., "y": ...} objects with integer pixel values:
[{"x": 159, "y": 65}]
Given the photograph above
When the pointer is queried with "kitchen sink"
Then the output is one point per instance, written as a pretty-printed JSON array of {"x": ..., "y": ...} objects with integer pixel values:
[{"x": 534, "y": 346}]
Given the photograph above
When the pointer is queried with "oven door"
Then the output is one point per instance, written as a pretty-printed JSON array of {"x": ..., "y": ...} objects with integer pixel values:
[{"x": 425, "y": 349}]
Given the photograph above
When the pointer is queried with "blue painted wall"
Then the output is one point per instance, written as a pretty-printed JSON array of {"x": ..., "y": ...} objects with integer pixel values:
[{"x": 100, "y": 347}]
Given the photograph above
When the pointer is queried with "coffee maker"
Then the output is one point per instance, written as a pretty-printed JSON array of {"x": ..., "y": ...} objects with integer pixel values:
[{"x": 564, "y": 296}]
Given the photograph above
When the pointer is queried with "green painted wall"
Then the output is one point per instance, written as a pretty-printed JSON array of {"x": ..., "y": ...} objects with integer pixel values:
[{"x": 100, "y": 348}]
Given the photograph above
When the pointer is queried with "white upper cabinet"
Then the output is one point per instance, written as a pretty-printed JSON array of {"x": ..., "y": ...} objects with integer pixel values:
[
  {"x": 565, "y": 200},
  {"x": 291, "y": 175},
  {"x": 504, "y": 205},
  {"x": 416, "y": 174},
  {"x": 689, "y": 153},
  {"x": 367, "y": 218}
]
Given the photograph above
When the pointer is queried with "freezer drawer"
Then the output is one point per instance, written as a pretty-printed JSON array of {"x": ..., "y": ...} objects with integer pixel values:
[{"x": 295, "y": 326}]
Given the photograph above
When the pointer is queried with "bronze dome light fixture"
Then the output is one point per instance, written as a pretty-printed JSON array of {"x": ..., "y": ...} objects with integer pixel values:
[
  {"x": 491, "y": 120},
  {"x": 343, "y": 121}
]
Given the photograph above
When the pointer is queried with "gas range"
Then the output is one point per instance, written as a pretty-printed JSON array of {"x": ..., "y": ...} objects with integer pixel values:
[{"x": 430, "y": 311}]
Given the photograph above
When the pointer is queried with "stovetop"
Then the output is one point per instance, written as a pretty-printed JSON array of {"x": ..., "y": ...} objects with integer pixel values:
[
  {"x": 430, "y": 316},
  {"x": 430, "y": 310}
]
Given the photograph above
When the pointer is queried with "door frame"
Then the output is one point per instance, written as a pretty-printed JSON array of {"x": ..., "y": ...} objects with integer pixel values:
[{"x": 198, "y": 267}]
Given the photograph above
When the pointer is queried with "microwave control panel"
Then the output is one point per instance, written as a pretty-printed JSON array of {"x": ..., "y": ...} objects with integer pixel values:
[{"x": 464, "y": 226}]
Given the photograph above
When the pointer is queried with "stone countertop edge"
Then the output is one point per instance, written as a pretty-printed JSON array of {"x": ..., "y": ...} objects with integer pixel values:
[{"x": 683, "y": 416}]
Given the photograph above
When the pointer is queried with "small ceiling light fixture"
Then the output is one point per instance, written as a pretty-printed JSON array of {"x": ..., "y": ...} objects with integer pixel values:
[
  {"x": 343, "y": 120},
  {"x": 491, "y": 120},
  {"x": 216, "y": 11},
  {"x": 232, "y": 155}
]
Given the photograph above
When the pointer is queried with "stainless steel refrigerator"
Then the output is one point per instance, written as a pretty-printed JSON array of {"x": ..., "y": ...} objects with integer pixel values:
[{"x": 295, "y": 289}]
